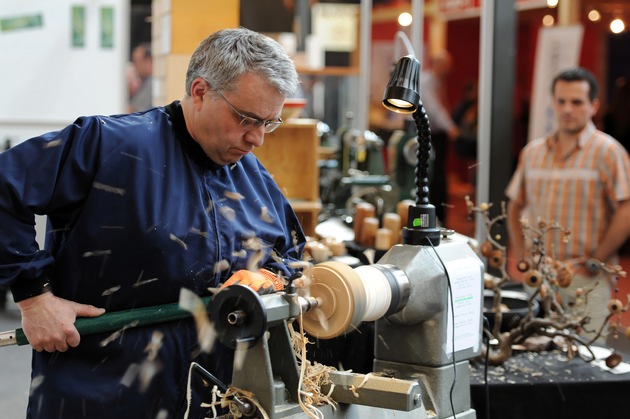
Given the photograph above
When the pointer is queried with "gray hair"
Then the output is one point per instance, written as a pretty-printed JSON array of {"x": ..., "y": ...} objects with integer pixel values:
[{"x": 226, "y": 55}]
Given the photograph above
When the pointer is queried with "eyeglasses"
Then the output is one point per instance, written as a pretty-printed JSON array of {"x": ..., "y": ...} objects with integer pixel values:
[{"x": 251, "y": 123}]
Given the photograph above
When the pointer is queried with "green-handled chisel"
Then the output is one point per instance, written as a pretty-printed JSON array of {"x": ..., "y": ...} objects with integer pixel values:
[{"x": 111, "y": 322}]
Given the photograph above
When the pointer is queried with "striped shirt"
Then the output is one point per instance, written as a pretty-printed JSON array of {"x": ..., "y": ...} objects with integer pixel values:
[{"x": 580, "y": 191}]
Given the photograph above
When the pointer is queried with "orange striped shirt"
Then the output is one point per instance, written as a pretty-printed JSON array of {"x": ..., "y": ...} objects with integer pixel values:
[{"x": 579, "y": 192}]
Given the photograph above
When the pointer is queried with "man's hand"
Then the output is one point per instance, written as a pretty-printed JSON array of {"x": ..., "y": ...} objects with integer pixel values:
[
  {"x": 263, "y": 282},
  {"x": 48, "y": 321},
  {"x": 588, "y": 267}
]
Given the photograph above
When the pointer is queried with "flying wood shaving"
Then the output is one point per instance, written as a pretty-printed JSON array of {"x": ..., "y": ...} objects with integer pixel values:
[
  {"x": 221, "y": 266},
  {"x": 194, "y": 230},
  {"x": 276, "y": 257},
  {"x": 146, "y": 281},
  {"x": 228, "y": 213},
  {"x": 383, "y": 341},
  {"x": 206, "y": 334},
  {"x": 35, "y": 383},
  {"x": 264, "y": 215},
  {"x": 131, "y": 155},
  {"x": 108, "y": 188},
  {"x": 300, "y": 264},
  {"x": 178, "y": 241},
  {"x": 254, "y": 243},
  {"x": 370, "y": 254},
  {"x": 97, "y": 253},
  {"x": 110, "y": 291},
  {"x": 322, "y": 318},
  {"x": 240, "y": 254},
  {"x": 210, "y": 206},
  {"x": 253, "y": 262},
  {"x": 144, "y": 373},
  {"x": 296, "y": 242},
  {"x": 53, "y": 143},
  {"x": 240, "y": 353},
  {"x": 148, "y": 370},
  {"x": 117, "y": 334},
  {"x": 156, "y": 172},
  {"x": 234, "y": 196},
  {"x": 130, "y": 375},
  {"x": 154, "y": 345}
]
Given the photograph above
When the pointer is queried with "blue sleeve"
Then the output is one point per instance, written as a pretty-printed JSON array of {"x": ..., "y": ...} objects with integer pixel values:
[
  {"x": 287, "y": 250},
  {"x": 48, "y": 174}
]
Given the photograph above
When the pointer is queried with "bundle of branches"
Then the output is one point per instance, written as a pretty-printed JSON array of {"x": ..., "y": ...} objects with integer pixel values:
[{"x": 546, "y": 275}]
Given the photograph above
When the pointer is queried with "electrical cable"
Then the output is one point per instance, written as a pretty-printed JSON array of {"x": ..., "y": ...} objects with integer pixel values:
[
  {"x": 486, "y": 324},
  {"x": 450, "y": 293},
  {"x": 402, "y": 36}
]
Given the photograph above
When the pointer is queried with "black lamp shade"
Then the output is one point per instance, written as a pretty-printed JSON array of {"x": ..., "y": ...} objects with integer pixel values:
[{"x": 401, "y": 94}]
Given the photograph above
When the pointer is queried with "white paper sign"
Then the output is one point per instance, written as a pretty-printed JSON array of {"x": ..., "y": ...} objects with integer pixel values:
[
  {"x": 336, "y": 25},
  {"x": 557, "y": 49},
  {"x": 466, "y": 285}
]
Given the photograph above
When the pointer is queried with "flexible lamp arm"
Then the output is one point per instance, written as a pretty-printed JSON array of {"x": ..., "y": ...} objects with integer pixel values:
[
  {"x": 401, "y": 96},
  {"x": 423, "y": 154}
]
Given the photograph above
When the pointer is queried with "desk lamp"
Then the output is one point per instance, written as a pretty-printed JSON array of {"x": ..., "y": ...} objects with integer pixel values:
[{"x": 401, "y": 96}]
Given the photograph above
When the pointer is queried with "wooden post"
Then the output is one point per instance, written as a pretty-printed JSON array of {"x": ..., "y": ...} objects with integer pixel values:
[{"x": 177, "y": 29}]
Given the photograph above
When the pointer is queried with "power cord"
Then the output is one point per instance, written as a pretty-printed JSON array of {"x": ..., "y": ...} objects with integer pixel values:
[
  {"x": 450, "y": 293},
  {"x": 488, "y": 337}
]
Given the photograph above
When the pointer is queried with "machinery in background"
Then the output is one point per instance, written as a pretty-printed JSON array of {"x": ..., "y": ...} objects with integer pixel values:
[{"x": 357, "y": 173}]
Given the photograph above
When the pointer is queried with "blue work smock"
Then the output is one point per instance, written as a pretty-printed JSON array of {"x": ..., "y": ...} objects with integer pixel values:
[{"x": 136, "y": 211}]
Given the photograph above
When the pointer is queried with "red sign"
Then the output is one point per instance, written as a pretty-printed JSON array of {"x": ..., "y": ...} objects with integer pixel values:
[
  {"x": 458, "y": 6},
  {"x": 451, "y": 9}
]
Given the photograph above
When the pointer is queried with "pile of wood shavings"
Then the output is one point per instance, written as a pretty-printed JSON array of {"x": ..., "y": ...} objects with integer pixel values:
[{"x": 313, "y": 376}]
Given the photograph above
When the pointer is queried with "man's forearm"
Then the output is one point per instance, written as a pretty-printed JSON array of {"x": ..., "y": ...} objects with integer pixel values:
[
  {"x": 515, "y": 229},
  {"x": 616, "y": 234}
]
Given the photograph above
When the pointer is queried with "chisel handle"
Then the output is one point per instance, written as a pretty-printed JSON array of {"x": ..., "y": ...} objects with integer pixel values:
[{"x": 116, "y": 320}]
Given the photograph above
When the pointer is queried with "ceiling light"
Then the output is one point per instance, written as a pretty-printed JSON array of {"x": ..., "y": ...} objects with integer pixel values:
[
  {"x": 594, "y": 15},
  {"x": 548, "y": 20},
  {"x": 405, "y": 19},
  {"x": 617, "y": 26}
]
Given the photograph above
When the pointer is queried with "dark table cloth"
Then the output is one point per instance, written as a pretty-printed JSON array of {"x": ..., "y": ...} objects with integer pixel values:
[{"x": 547, "y": 385}]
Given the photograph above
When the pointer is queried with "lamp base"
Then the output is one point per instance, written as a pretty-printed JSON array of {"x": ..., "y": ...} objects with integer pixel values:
[{"x": 421, "y": 226}]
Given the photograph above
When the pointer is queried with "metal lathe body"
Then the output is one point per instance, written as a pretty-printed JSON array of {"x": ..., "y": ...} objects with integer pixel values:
[{"x": 430, "y": 327}]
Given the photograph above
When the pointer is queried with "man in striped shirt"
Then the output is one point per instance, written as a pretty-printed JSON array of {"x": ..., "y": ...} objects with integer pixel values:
[{"x": 578, "y": 177}]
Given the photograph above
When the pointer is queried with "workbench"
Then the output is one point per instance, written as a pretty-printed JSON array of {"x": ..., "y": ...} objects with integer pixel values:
[{"x": 548, "y": 386}]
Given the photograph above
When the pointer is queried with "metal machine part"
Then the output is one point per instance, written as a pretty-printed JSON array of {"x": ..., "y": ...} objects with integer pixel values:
[
  {"x": 269, "y": 369},
  {"x": 430, "y": 326},
  {"x": 350, "y": 296},
  {"x": 424, "y": 341},
  {"x": 241, "y": 315}
]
